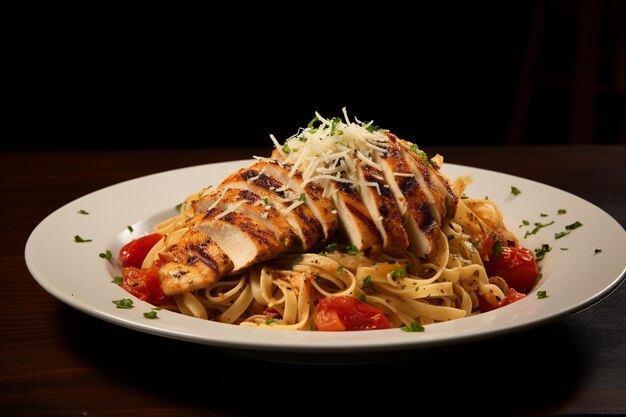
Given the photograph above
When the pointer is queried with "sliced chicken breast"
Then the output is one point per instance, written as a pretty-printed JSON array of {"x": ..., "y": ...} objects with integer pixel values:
[
  {"x": 195, "y": 262},
  {"x": 251, "y": 204},
  {"x": 383, "y": 210},
  {"x": 355, "y": 221},
  {"x": 417, "y": 219},
  {"x": 311, "y": 193},
  {"x": 245, "y": 241},
  {"x": 441, "y": 199},
  {"x": 301, "y": 219}
]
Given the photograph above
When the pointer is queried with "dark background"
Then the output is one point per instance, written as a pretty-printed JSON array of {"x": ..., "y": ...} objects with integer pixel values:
[{"x": 533, "y": 73}]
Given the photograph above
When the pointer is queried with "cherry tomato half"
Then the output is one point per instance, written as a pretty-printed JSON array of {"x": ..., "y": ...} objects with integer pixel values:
[
  {"x": 347, "y": 313},
  {"x": 143, "y": 284},
  {"x": 516, "y": 265},
  {"x": 135, "y": 251}
]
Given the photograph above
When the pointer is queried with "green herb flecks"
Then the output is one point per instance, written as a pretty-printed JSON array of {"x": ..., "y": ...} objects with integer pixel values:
[
  {"x": 362, "y": 298},
  {"x": 302, "y": 197},
  {"x": 540, "y": 253},
  {"x": 561, "y": 211},
  {"x": 106, "y": 255},
  {"x": 367, "y": 281},
  {"x": 125, "y": 303},
  {"x": 270, "y": 321},
  {"x": 413, "y": 327},
  {"x": 298, "y": 259},
  {"x": 398, "y": 273},
  {"x": 178, "y": 207},
  {"x": 451, "y": 236},
  {"x": 597, "y": 251},
  {"x": 415, "y": 149},
  {"x": 515, "y": 190},
  {"x": 79, "y": 239},
  {"x": 574, "y": 225},
  {"x": 152, "y": 314},
  {"x": 561, "y": 234},
  {"x": 84, "y": 212},
  {"x": 286, "y": 148},
  {"x": 130, "y": 229},
  {"x": 538, "y": 226},
  {"x": 352, "y": 250},
  {"x": 117, "y": 280},
  {"x": 333, "y": 125},
  {"x": 542, "y": 294}
]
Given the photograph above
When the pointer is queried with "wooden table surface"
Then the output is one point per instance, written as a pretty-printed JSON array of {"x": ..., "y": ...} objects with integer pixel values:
[{"x": 57, "y": 361}]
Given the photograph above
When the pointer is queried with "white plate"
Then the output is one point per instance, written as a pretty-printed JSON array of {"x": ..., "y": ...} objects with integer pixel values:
[{"x": 74, "y": 273}]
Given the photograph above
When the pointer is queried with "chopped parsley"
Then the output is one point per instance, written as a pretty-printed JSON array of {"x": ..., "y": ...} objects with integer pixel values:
[
  {"x": 270, "y": 321},
  {"x": 515, "y": 190},
  {"x": 106, "y": 254},
  {"x": 362, "y": 298},
  {"x": 525, "y": 222},
  {"x": 541, "y": 252},
  {"x": 117, "y": 280},
  {"x": 538, "y": 226},
  {"x": 124, "y": 303},
  {"x": 564, "y": 248},
  {"x": 340, "y": 269},
  {"x": 367, "y": 281},
  {"x": 318, "y": 279},
  {"x": 312, "y": 122},
  {"x": 266, "y": 201},
  {"x": 79, "y": 239},
  {"x": 414, "y": 148},
  {"x": 178, "y": 207},
  {"x": 543, "y": 215},
  {"x": 542, "y": 294},
  {"x": 333, "y": 125},
  {"x": 398, "y": 273},
  {"x": 302, "y": 197},
  {"x": 561, "y": 234},
  {"x": 130, "y": 229},
  {"x": 152, "y": 314},
  {"x": 597, "y": 250},
  {"x": 450, "y": 236},
  {"x": 561, "y": 211},
  {"x": 352, "y": 250},
  {"x": 331, "y": 248},
  {"x": 574, "y": 225},
  {"x": 372, "y": 128},
  {"x": 298, "y": 258},
  {"x": 413, "y": 327},
  {"x": 286, "y": 148},
  {"x": 497, "y": 248},
  {"x": 81, "y": 211}
]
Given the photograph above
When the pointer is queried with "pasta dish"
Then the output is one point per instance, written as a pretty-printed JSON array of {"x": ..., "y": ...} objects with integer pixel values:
[{"x": 344, "y": 227}]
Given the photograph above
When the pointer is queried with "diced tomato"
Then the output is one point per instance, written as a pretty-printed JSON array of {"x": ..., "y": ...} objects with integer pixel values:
[
  {"x": 271, "y": 313},
  {"x": 135, "y": 251},
  {"x": 485, "y": 245},
  {"x": 511, "y": 297},
  {"x": 347, "y": 313},
  {"x": 516, "y": 265},
  {"x": 143, "y": 284}
]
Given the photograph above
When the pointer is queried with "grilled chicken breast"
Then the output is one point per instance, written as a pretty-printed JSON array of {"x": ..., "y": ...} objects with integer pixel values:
[
  {"x": 417, "y": 219},
  {"x": 355, "y": 221},
  {"x": 195, "y": 262},
  {"x": 383, "y": 196}
]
